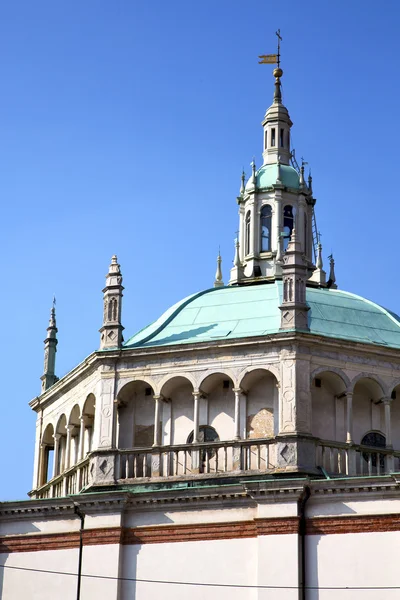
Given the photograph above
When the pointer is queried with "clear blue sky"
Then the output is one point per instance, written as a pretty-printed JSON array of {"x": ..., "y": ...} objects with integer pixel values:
[{"x": 124, "y": 127}]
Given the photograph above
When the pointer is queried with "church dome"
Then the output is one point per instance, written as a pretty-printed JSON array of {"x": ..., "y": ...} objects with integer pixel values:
[
  {"x": 267, "y": 176},
  {"x": 249, "y": 311}
]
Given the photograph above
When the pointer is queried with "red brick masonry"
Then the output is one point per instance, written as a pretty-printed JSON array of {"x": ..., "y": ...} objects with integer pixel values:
[{"x": 199, "y": 532}]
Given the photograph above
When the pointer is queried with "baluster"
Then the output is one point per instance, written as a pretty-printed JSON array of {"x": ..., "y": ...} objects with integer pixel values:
[
  {"x": 145, "y": 465},
  {"x": 176, "y": 459},
  {"x": 216, "y": 459},
  {"x": 168, "y": 459},
  {"x": 225, "y": 459},
  {"x": 135, "y": 465},
  {"x": 259, "y": 457},
  {"x": 369, "y": 463},
  {"x": 126, "y": 466},
  {"x": 207, "y": 461},
  {"x": 185, "y": 461},
  {"x": 378, "y": 463},
  {"x": 331, "y": 460},
  {"x": 266, "y": 457}
]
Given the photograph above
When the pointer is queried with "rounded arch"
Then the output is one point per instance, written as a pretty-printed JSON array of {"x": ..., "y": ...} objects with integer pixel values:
[
  {"x": 323, "y": 370},
  {"x": 244, "y": 375},
  {"x": 61, "y": 426},
  {"x": 74, "y": 415},
  {"x": 212, "y": 378},
  {"x": 168, "y": 383},
  {"x": 89, "y": 405},
  {"x": 376, "y": 384},
  {"x": 148, "y": 381},
  {"x": 48, "y": 434}
]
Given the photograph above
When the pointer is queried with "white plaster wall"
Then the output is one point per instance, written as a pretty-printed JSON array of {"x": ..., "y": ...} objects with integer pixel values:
[
  {"x": 221, "y": 411},
  {"x": 181, "y": 414},
  {"x": 367, "y": 416},
  {"x": 33, "y": 585},
  {"x": 363, "y": 559},
  {"x": 323, "y": 412},
  {"x": 220, "y": 561}
]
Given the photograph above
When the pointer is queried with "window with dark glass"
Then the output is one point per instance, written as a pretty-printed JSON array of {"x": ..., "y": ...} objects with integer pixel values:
[
  {"x": 377, "y": 440},
  {"x": 273, "y": 136},
  {"x": 288, "y": 223},
  {"x": 265, "y": 140},
  {"x": 281, "y": 134},
  {"x": 247, "y": 231},
  {"x": 266, "y": 217}
]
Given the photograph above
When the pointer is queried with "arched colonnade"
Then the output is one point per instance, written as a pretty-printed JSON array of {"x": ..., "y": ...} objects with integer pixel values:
[
  {"x": 179, "y": 409},
  {"x": 67, "y": 441},
  {"x": 349, "y": 410}
]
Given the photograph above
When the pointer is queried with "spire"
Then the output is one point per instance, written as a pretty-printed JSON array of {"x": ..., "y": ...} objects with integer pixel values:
[
  {"x": 253, "y": 173},
  {"x": 50, "y": 348},
  {"x": 111, "y": 331},
  {"x": 294, "y": 274},
  {"x": 276, "y": 121},
  {"x": 218, "y": 275},
  {"x": 332, "y": 277}
]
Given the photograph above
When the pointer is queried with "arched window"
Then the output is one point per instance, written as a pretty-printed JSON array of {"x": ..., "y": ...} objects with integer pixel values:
[
  {"x": 247, "y": 231},
  {"x": 288, "y": 223},
  {"x": 377, "y": 440},
  {"x": 266, "y": 216}
]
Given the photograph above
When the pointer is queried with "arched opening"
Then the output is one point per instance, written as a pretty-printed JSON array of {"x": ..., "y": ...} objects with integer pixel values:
[
  {"x": 217, "y": 407},
  {"x": 261, "y": 404},
  {"x": 60, "y": 445},
  {"x": 47, "y": 455},
  {"x": 136, "y": 415},
  {"x": 328, "y": 414},
  {"x": 88, "y": 413},
  {"x": 74, "y": 428},
  {"x": 289, "y": 213},
  {"x": 247, "y": 232},
  {"x": 265, "y": 222},
  {"x": 177, "y": 410},
  {"x": 368, "y": 408}
]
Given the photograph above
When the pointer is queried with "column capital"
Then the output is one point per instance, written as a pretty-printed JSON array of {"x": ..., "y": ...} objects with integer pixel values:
[
  {"x": 70, "y": 428},
  {"x": 349, "y": 394},
  {"x": 158, "y": 397},
  {"x": 56, "y": 436},
  {"x": 386, "y": 400}
]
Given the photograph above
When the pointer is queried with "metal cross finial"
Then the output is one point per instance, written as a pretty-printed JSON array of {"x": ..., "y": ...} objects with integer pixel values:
[
  {"x": 54, "y": 301},
  {"x": 278, "y": 35},
  {"x": 303, "y": 162}
]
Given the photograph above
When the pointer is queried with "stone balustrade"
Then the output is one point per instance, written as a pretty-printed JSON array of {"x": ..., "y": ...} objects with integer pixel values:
[
  {"x": 216, "y": 459},
  {"x": 337, "y": 458}
]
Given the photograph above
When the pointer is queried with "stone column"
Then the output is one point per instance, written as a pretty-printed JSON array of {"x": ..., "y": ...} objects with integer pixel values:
[
  {"x": 56, "y": 437},
  {"x": 157, "y": 407},
  {"x": 68, "y": 447},
  {"x": 41, "y": 476},
  {"x": 196, "y": 397},
  {"x": 388, "y": 426},
  {"x": 349, "y": 419},
  {"x": 278, "y": 220},
  {"x": 237, "y": 392},
  {"x": 81, "y": 438}
]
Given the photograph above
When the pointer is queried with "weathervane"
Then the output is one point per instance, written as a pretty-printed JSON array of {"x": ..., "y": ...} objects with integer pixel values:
[{"x": 272, "y": 59}]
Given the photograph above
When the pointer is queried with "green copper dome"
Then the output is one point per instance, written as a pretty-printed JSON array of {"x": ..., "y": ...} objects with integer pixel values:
[
  {"x": 268, "y": 175},
  {"x": 238, "y": 312}
]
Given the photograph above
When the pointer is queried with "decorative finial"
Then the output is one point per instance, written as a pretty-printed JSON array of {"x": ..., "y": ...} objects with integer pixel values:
[
  {"x": 218, "y": 275},
  {"x": 243, "y": 178},
  {"x": 278, "y": 164},
  {"x": 253, "y": 173},
  {"x": 236, "y": 261},
  {"x": 332, "y": 277},
  {"x": 310, "y": 181},
  {"x": 319, "y": 263}
]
